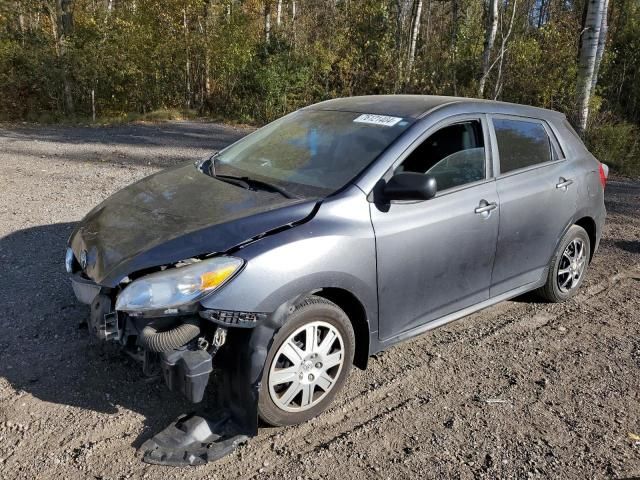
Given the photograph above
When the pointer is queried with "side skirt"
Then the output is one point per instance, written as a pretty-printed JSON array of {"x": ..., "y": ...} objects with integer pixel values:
[{"x": 384, "y": 344}]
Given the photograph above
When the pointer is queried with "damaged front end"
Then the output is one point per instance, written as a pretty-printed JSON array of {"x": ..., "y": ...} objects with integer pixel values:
[
  {"x": 194, "y": 349},
  {"x": 145, "y": 259}
]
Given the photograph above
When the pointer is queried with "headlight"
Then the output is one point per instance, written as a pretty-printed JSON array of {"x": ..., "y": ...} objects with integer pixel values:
[
  {"x": 68, "y": 260},
  {"x": 177, "y": 286}
]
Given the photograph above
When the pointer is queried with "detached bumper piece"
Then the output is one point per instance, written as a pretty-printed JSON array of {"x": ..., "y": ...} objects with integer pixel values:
[
  {"x": 229, "y": 415},
  {"x": 194, "y": 440}
]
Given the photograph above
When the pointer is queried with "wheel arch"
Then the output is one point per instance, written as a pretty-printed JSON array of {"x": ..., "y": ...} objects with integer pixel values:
[
  {"x": 354, "y": 309},
  {"x": 589, "y": 224}
]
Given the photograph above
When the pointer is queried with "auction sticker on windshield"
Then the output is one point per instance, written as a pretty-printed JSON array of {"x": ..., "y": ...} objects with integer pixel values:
[{"x": 383, "y": 120}]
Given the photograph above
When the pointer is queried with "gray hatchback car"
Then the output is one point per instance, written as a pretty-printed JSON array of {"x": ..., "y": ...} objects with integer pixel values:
[{"x": 325, "y": 237}]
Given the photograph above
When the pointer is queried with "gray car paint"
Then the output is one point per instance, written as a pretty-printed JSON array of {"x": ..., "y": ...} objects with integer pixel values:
[
  {"x": 416, "y": 242},
  {"x": 438, "y": 247},
  {"x": 524, "y": 246},
  {"x": 172, "y": 215},
  {"x": 434, "y": 257},
  {"x": 335, "y": 249}
]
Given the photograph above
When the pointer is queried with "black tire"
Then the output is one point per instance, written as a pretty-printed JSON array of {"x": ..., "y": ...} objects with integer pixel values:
[
  {"x": 311, "y": 309},
  {"x": 551, "y": 290}
]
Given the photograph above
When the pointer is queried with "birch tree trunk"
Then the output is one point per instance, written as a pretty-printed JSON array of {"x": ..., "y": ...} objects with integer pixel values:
[
  {"x": 414, "y": 37},
  {"x": 490, "y": 39},
  {"x": 293, "y": 22},
  {"x": 279, "y": 13},
  {"x": 503, "y": 49},
  {"x": 267, "y": 22},
  {"x": 602, "y": 41},
  {"x": 403, "y": 12},
  {"x": 587, "y": 60},
  {"x": 21, "y": 25},
  {"x": 428, "y": 26}
]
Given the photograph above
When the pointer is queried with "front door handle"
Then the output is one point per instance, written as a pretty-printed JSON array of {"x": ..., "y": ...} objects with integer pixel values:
[
  {"x": 564, "y": 183},
  {"x": 485, "y": 206}
]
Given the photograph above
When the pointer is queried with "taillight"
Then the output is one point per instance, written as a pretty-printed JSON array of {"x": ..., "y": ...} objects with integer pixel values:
[{"x": 604, "y": 173}]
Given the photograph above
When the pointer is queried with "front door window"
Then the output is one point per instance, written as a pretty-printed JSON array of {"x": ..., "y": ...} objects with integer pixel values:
[{"x": 454, "y": 155}]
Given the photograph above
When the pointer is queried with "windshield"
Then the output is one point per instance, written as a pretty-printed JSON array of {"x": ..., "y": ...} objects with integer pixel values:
[{"x": 317, "y": 149}]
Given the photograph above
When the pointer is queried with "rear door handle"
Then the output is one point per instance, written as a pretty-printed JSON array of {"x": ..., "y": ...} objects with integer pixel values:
[
  {"x": 485, "y": 206},
  {"x": 564, "y": 183}
]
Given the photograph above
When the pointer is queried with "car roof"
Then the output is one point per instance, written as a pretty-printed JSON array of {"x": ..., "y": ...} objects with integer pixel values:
[{"x": 417, "y": 106}]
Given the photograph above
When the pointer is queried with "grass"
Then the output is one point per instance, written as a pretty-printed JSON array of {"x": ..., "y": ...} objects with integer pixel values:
[{"x": 617, "y": 145}]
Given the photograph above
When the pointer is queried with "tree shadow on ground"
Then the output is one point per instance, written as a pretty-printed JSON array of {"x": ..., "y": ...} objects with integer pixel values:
[{"x": 45, "y": 349}]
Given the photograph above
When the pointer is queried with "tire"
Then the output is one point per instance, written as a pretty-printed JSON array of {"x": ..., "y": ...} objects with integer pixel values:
[
  {"x": 297, "y": 389},
  {"x": 553, "y": 290}
]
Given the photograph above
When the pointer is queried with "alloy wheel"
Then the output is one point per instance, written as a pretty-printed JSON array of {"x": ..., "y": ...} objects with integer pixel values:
[
  {"x": 572, "y": 265},
  {"x": 306, "y": 367}
]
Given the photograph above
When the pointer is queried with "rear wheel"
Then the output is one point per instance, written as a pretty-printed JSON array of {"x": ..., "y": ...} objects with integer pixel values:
[
  {"x": 307, "y": 364},
  {"x": 568, "y": 266}
]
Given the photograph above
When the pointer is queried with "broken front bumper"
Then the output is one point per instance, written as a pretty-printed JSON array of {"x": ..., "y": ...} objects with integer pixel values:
[
  {"x": 231, "y": 416},
  {"x": 84, "y": 289},
  {"x": 194, "y": 439}
]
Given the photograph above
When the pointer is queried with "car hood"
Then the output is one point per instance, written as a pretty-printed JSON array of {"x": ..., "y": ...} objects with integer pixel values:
[{"x": 173, "y": 215}]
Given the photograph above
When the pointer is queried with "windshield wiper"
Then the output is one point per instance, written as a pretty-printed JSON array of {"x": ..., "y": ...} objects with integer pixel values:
[
  {"x": 244, "y": 182},
  {"x": 234, "y": 180},
  {"x": 250, "y": 183}
]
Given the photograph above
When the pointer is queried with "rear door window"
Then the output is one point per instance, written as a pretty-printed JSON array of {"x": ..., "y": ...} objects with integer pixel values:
[{"x": 521, "y": 143}]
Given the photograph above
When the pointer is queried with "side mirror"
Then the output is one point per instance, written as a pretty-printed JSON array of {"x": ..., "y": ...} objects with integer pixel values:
[{"x": 410, "y": 186}]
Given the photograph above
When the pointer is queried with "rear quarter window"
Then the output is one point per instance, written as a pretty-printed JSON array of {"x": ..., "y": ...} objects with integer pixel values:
[{"x": 521, "y": 144}]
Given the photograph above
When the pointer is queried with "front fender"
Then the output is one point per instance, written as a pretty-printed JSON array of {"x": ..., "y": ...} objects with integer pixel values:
[
  {"x": 330, "y": 251},
  {"x": 275, "y": 277}
]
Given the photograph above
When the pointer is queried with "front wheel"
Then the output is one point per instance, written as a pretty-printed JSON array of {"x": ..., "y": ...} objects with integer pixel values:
[
  {"x": 568, "y": 266},
  {"x": 307, "y": 364}
]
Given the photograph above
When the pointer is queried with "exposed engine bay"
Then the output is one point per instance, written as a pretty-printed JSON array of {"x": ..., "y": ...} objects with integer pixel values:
[{"x": 181, "y": 348}]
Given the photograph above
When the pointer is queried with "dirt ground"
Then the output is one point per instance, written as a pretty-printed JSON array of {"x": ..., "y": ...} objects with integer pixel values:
[{"x": 521, "y": 390}]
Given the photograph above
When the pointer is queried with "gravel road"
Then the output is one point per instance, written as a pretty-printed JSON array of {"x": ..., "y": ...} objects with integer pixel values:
[{"x": 521, "y": 390}]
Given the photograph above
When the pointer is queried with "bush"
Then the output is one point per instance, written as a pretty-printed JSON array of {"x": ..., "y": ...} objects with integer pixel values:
[{"x": 617, "y": 145}]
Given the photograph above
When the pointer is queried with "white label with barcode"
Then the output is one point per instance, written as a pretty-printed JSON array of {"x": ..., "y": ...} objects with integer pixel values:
[{"x": 383, "y": 120}]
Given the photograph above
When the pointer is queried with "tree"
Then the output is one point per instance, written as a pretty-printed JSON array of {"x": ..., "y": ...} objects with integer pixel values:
[
  {"x": 503, "y": 49},
  {"x": 490, "y": 38},
  {"x": 415, "y": 31},
  {"x": 267, "y": 21},
  {"x": 254, "y": 60},
  {"x": 62, "y": 25},
  {"x": 602, "y": 41},
  {"x": 590, "y": 38}
]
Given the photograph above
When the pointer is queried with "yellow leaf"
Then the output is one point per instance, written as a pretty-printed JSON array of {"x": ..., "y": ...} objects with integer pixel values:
[{"x": 634, "y": 437}]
